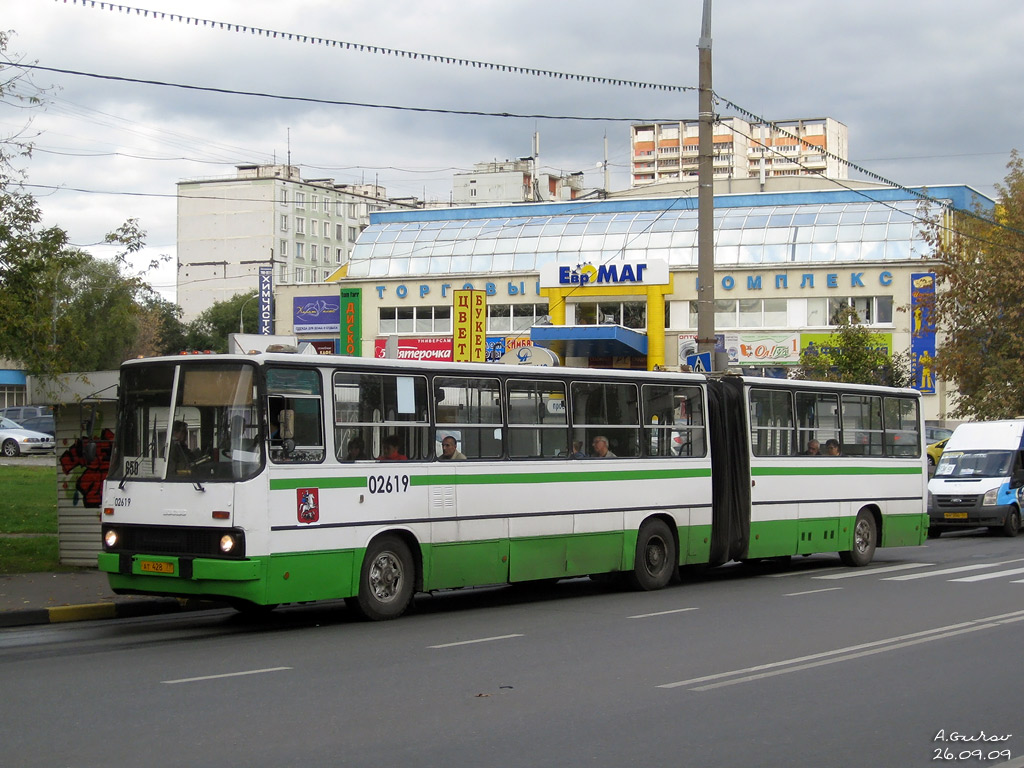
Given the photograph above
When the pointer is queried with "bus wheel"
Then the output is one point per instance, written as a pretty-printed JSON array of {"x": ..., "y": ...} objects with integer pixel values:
[
  {"x": 1012, "y": 525},
  {"x": 865, "y": 534},
  {"x": 386, "y": 580},
  {"x": 655, "y": 557}
]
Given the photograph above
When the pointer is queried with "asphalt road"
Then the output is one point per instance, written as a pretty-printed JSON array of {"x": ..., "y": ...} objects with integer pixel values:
[{"x": 811, "y": 664}]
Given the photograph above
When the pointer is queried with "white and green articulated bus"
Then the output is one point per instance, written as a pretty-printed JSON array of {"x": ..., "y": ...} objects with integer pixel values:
[{"x": 275, "y": 478}]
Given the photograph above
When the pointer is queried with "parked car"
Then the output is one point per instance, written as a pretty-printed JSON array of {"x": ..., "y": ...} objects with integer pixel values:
[
  {"x": 15, "y": 441},
  {"x": 935, "y": 452},
  {"x": 39, "y": 424},
  {"x": 19, "y": 413},
  {"x": 936, "y": 434}
]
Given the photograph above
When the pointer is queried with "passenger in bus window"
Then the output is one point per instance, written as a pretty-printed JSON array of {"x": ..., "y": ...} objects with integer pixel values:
[
  {"x": 392, "y": 449},
  {"x": 354, "y": 450},
  {"x": 600, "y": 446},
  {"x": 832, "y": 447},
  {"x": 813, "y": 448},
  {"x": 450, "y": 451},
  {"x": 577, "y": 450}
]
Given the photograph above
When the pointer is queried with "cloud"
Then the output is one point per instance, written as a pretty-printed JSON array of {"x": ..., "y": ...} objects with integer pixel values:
[{"x": 922, "y": 84}]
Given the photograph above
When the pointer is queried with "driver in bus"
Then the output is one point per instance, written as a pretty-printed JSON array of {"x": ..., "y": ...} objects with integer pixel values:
[{"x": 182, "y": 457}]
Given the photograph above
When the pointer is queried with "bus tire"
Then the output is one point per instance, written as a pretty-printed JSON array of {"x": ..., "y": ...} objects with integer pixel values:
[
  {"x": 865, "y": 539},
  {"x": 1011, "y": 526},
  {"x": 656, "y": 558},
  {"x": 386, "y": 579}
]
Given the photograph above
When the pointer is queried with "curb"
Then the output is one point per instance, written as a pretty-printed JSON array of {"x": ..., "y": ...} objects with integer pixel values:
[{"x": 93, "y": 611}]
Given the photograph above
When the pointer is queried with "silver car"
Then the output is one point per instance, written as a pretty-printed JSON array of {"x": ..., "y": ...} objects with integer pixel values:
[{"x": 15, "y": 441}]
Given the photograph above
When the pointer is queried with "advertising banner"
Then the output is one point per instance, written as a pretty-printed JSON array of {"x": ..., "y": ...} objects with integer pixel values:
[
  {"x": 922, "y": 331},
  {"x": 351, "y": 341},
  {"x": 469, "y": 324},
  {"x": 766, "y": 348},
  {"x": 822, "y": 342},
  {"x": 266, "y": 293},
  {"x": 440, "y": 348},
  {"x": 323, "y": 346},
  {"x": 316, "y": 314}
]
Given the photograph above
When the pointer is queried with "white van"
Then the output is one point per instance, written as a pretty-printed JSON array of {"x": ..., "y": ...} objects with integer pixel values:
[{"x": 979, "y": 479}]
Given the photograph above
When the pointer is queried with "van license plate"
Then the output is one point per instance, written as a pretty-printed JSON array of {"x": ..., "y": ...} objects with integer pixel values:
[
  {"x": 955, "y": 515},
  {"x": 154, "y": 567}
]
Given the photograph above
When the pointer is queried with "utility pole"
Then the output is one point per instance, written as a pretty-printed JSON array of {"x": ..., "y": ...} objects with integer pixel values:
[
  {"x": 705, "y": 194},
  {"x": 607, "y": 182}
]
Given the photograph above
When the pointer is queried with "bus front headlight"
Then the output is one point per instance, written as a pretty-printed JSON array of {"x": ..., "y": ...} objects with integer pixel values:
[
  {"x": 110, "y": 538},
  {"x": 990, "y": 497},
  {"x": 227, "y": 543}
]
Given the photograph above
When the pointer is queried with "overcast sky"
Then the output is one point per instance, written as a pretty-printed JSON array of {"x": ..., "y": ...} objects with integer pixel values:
[{"x": 930, "y": 91}]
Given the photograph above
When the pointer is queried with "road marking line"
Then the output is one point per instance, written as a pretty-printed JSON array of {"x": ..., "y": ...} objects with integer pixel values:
[
  {"x": 802, "y": 572},
  {"x": 870, "y": 571},
  {"x": 944, "y": 571},
  {"x": 228, "y": 674},
  {"x": 996, "y": 575},
  {"x": 850, "y": 652},
  {"x": 836, "y": 660},
  {"x": 470, "y": 642},
  {"x": 660, "y": 613},
  {"x": 812, "y": 591}
]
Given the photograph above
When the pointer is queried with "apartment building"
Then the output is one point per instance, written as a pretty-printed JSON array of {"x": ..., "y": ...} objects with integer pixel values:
[
  {"x": 513, "y": 181},
  {"x": 666, "y": 152},
  {"x": 229, "y": 227}
]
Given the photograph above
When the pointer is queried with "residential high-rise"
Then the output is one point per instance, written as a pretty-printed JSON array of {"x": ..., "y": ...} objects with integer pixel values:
[
  {"x": 264, "y": 215},
  {"x": 668, "y": 151}
]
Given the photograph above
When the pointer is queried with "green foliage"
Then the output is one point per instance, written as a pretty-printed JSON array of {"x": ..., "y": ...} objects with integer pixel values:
[
  {"x": 211, "y": 329},
  {"x": 979, "y": 303},
  {"x": 61, "y": 310},
  {"x": 854, "y": 356}
]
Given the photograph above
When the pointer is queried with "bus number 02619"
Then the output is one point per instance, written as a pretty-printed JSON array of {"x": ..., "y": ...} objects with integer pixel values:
[{"x": 387, "y": 483}]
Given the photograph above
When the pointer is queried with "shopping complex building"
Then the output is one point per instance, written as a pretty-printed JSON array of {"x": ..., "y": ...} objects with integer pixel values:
[{"x": 613, "y": 283}]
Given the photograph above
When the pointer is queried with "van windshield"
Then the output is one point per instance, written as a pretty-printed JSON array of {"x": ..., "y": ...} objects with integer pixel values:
[{"x": 963, "y": 464}]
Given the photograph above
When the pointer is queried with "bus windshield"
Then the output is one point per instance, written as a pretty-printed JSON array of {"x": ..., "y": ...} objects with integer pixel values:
[{"x": 188, "y": 422}]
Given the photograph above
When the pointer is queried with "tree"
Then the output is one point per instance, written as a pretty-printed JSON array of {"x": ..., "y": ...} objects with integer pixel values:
[
  {"x": 979, "y": 301},
  {"x": 61, "y": 309},
  {"x": 211, "y": 329},
  {"x": 853, "y": 355}
]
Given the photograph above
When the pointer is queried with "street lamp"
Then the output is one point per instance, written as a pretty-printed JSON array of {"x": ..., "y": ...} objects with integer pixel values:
[{"x": 241, "y": 326}]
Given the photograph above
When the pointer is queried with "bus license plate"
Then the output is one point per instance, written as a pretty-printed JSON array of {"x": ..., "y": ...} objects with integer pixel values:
[
  {"x": 152, "y": 566},
  {"x": 955, "y": 515}
]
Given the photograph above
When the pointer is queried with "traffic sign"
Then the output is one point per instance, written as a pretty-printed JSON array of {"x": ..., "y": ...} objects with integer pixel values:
[{"x": 699, "y": 363}]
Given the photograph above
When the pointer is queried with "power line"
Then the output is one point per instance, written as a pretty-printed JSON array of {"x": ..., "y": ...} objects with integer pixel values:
[{"x": 331, "y": 102}]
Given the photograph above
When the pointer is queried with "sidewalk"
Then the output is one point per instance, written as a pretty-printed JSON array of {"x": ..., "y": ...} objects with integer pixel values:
[{"x": 49, "y": 598}]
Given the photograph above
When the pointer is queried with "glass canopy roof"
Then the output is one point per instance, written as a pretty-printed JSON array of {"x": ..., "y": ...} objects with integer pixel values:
[{"x": 801, "y": 234}]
